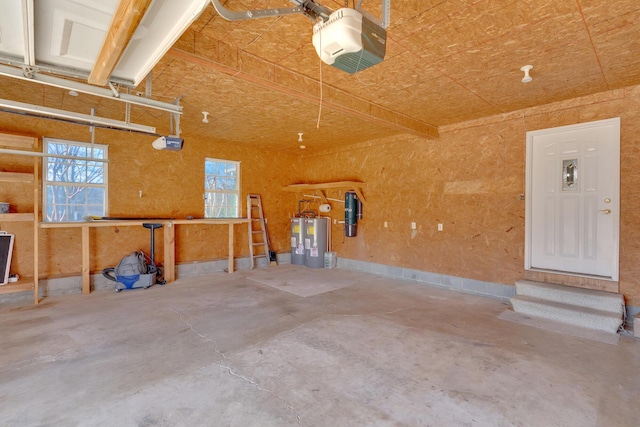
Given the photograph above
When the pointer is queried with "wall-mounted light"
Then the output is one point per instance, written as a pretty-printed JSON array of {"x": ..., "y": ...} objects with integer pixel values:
[
  {"x": 300, "y": 136},
  {"x": 526, "y": 69},
  {"x": 205, "y": 117}
]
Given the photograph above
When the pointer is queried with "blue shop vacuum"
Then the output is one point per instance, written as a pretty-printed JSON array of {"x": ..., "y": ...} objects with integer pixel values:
[{"x": 136, "y": 270}]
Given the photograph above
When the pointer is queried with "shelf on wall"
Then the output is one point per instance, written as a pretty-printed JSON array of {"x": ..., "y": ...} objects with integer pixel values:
[
  {"x": 17, "y": 217},
  {"x": 22, "y": 285},
  {"x": 16, "y": 177},
  {"x": 22, "y": 146},
  {"x": 355, "y": 186}
]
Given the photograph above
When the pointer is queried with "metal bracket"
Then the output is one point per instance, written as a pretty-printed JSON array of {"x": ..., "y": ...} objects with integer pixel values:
[
  {"x": 264, "y": 13},
  {"x": 309, "y": 8}
]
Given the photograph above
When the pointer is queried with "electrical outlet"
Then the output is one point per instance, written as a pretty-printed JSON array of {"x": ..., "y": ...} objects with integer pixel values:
[
  {"x": 440, "y": 227},
  {"x": 413, "y": 225}
]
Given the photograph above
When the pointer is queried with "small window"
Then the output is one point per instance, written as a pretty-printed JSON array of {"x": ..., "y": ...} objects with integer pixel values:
[
  {"x": 221, "y": 188},
  {"x": 74, "y": 180}
]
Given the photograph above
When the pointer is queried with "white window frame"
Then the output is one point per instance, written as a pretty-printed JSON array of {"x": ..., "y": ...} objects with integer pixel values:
[
  {"x": 45, "y": 178},
  {"x": 223, "y": 192}
]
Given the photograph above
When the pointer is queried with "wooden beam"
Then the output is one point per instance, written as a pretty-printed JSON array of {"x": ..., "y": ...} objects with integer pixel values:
[
  {"x": 86, "y": 258},
  {"x": 322, "y": 186},
  {"x": 371, "y": 112},
  {"x": 125, "y": 21}
]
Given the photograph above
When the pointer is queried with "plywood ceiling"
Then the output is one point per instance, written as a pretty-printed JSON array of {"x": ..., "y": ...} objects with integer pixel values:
[{"x": 446, "y": 62}]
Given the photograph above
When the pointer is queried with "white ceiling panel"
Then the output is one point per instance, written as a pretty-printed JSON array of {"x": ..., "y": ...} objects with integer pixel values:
[
  {"x": 70, "y": 34},
  {"x": 11, "y": 32}
]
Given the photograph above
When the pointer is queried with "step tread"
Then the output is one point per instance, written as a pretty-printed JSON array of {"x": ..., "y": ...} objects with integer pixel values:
[
  {"x": 572, "y": 289},
  {"x": 565, "y": 306},
  {"x": 596, "y": 299}
]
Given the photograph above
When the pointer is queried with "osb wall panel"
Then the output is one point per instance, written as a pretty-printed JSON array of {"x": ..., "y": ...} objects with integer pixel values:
[
  {"x": 172, "y": 186},
  {"x": 468, "y": 182},
  {"x": 471, "y": 180}
]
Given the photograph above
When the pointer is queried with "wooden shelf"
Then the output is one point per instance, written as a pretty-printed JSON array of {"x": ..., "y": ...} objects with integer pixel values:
[
  {"x": 320, "y": 187},
  {"x": 22, "y": 285},
  {"x": 16, "y": 177},
  {"x": 23, "y": 146},
  {"x": 17, "y": 217}
]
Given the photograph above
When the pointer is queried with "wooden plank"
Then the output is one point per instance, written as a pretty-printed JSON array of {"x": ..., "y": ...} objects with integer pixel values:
[
  {"x": 18, "y": 141},
  {"x": 16, "y": 177},
  {"x": 127, "y": 223},
  {"x": 126, "y": 19},
  {"x": 22, "y": 285},
  {"x": 344, "y": 185},
  {"x": 231, "y": 249},
  {"x": 323, "y": 185},
  {"x": 86, "y": 280},
  {"x": 17, "y": 217},
  {"x": 131, "y": 223},
  {"x": 169, "y": 252},
  {"x": 211, "y": 221},
  {"x": 36, "y": 230}
]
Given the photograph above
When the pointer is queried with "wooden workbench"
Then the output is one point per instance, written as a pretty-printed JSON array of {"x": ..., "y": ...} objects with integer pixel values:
[{"x": 169, "y": 233}]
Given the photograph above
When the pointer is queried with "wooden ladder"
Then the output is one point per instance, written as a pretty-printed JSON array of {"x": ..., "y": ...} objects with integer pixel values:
[{"x": 257, "y": 229}]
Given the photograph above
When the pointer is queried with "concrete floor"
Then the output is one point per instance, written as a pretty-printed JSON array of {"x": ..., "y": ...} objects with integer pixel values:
[{"x": 224, "y": 350}]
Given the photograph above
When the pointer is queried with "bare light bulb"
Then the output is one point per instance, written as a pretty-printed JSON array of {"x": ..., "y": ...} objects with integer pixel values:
[{"x": 526, "y": 69}]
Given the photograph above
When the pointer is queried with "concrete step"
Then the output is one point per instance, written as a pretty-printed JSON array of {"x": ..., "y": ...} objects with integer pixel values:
[
  {"x": 570, "y": 314},
  {"x": 598, "y": 300}
]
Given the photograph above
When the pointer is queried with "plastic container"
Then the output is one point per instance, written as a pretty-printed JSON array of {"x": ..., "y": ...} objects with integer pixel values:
[{"x": 330, "y": 259}]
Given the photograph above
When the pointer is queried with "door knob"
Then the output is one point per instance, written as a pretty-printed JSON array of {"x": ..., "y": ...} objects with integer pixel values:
[{"x": 606, "y": 211}]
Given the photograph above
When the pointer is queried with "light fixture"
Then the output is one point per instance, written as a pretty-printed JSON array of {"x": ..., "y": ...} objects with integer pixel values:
[
  {"x": 300, "y": 136},
  {"x": 302, "y": 147},
  {"x": 205, "y": 117},
  {"x": 73, "y": 93},
  {"x": 527, "y": 78}
]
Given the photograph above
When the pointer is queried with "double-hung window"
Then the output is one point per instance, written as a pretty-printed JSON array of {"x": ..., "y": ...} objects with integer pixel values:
[
  {"x": 74, "y": 180},
  {"x": 221, "y": 188}
]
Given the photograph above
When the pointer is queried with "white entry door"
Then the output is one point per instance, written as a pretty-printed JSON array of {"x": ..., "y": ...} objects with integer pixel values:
[{"x": 572, "y": 203}]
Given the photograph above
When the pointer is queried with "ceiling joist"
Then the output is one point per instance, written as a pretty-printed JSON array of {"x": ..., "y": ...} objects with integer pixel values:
[{"x": 125, "y": 21}]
